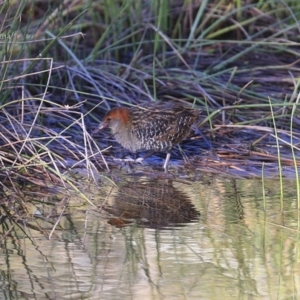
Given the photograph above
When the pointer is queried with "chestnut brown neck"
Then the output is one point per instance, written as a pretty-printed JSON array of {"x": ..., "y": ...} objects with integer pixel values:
[{"x": 121, "y": 113}]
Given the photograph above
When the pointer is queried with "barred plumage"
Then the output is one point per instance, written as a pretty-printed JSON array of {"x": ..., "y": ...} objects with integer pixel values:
[{"x": 156, "y": 127}]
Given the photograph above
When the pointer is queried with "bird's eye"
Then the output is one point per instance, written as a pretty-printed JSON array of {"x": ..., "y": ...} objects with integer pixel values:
[{"x": 108, "y": 118}]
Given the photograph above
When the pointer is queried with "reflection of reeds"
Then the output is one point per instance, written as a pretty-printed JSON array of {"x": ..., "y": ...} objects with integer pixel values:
[
  {"x": 32, "y": 208},
  {"x": 151, "y": 203}
]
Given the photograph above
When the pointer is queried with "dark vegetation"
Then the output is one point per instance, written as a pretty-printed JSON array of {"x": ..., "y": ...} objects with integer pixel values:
[{"x": 64, "y": 66}]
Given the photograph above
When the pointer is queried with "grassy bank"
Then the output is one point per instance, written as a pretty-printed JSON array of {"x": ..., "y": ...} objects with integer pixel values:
[{"x": 64, "y": 65}]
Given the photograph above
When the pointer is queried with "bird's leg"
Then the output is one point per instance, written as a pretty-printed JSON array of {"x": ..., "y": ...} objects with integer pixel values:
[
  {"x": 126, "y": 159},
  {"x": 129, "y": 159},
  {"x": 136, "y": 160},
  {"x": 140, "y": 159},
  {"x": 167, "y": 161}
]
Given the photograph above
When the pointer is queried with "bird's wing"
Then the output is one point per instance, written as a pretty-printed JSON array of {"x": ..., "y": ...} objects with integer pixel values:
[
  {"x": 162, "y": 125},
  {"x": 152, "y": 124}
]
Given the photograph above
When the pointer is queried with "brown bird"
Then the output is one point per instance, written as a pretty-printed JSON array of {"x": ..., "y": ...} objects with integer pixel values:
[{"x": 156, "y": 127}]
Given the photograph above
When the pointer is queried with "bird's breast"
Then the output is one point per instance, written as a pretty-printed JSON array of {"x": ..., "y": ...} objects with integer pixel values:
[{"x": 128, "y": 141}]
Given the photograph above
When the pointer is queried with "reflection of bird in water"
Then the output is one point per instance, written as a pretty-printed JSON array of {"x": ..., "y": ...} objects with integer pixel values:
[
  {"x": 154, "y": 127},
  {"x": 151, "y": 203}
]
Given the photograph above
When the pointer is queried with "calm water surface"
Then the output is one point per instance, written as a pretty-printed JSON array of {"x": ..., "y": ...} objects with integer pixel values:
[{"x": 158, "y": 239}]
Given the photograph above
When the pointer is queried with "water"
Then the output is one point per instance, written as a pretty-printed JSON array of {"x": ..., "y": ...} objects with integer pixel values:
[{"x": 157, "y": 239}]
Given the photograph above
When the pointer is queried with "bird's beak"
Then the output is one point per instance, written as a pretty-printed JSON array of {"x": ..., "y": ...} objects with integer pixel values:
[{"x": 100, "y": 127}]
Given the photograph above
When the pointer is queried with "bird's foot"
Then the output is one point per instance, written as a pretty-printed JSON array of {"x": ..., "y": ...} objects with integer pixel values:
[
  {"x": 130, "y": 159},
  {"x": 139, "y": 160},
  {"x": 127, "y": 159}
]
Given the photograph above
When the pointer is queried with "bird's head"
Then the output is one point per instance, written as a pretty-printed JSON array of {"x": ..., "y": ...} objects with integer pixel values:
[{"x": 116, "y": 119}]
